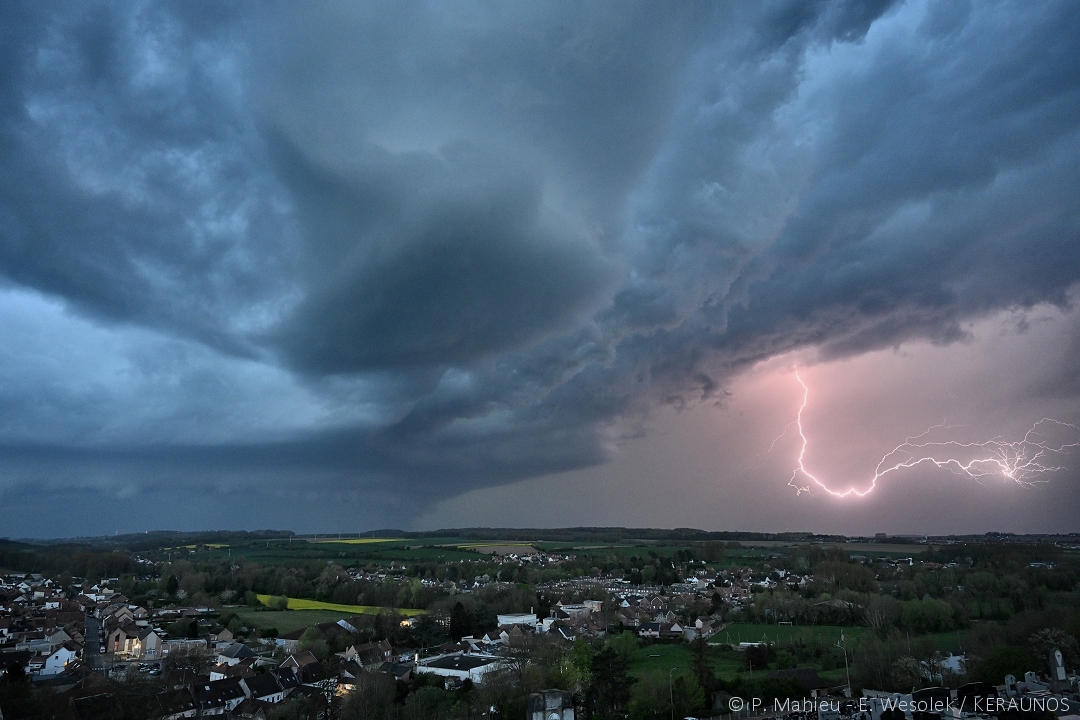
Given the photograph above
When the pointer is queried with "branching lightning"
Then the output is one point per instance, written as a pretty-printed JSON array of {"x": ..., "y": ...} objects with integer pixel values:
[{"x": 1022, "y": 461}]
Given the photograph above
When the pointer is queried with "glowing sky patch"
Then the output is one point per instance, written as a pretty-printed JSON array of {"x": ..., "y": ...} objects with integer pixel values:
[{"x": 1025, "y": 461}]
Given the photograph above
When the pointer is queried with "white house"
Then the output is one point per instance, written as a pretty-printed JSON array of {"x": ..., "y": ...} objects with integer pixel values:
[
  {"x": 460, "y": 666},
  {"x": 55, "y": 663}
]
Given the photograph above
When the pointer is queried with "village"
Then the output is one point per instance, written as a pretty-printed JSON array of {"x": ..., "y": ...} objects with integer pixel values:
[{"x": 87, "y": 645}]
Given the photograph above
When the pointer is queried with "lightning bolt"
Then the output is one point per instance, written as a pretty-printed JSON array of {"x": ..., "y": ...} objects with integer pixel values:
[{"x": 1021, "y": 461}]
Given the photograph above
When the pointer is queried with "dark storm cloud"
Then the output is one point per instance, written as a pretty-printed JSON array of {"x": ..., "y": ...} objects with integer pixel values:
[
  {"x": 425, "y": 259},
  {"x": 416, "y": 249}
]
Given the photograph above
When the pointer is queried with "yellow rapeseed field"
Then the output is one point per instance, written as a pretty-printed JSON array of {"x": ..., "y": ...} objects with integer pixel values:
[{"x": 303, "y": 604}]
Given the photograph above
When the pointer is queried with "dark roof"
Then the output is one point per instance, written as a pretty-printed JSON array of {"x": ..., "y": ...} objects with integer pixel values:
[
  {"x": 373, "y": 653},
  {"x": 94, "y": 707},
  {"x": 807, "y": 676},
  {"x": 299, "y": 660},
  {"x": 263, "y": 685},
  {"x": 216, "y": 693},
  {"x": 174, "y": 702},
  {"x": 252, "y": 708},
  {"x": 331, "y": 628},
  {"x": 237, "y": 650},
  {"x": 307, "y": 691},
  {"x": 287, "y": 677},
  {"x": 313, "y": 673},
  {"x": 400, "y": 671},
  {"x": 460, "y": 662}
]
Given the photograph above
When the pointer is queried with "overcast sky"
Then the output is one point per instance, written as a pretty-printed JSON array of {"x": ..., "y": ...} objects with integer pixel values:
[{"x": 337, "y": 266}]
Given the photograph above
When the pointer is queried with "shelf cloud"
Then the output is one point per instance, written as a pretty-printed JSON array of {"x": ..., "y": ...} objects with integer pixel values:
[{"x": 378, "y": 256}]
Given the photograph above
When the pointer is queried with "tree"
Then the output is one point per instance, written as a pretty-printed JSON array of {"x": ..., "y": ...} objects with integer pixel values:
[
  {"x": 699, "y": 653},
  {"x": 906, "y": 674},
  {"x": 881, "y": 611},
  {"x": 1047, "y": 640},
  {"x": 14, "y": 692},
  {"x": 183, "y": 662},
  {"x": 1005, "y": 660},
  {"x": 462, "y": 622},
  {"x": 624, "y": 643},
  {"x": 610, "y": 683},
  {"x": 658, "y": 694},
  {"x": 313, "y": 641}
]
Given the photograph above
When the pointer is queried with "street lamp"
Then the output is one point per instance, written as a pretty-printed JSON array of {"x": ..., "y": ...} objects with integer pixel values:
[{"x": 847, "y": 672}]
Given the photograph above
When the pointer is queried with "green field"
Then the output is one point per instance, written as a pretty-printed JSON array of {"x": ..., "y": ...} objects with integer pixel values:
[
  {"x": 663, "y": 657},
  {"x": 828, "y": 634},
  {"x": 342, "y": 551},
  {"x": 666, "y": 657},
  {"x": 357, "y": 541},
  {"x": 785, "y": 634}
]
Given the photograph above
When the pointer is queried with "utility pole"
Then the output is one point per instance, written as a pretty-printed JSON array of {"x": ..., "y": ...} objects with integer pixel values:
[{"x": 671, "y": 692}]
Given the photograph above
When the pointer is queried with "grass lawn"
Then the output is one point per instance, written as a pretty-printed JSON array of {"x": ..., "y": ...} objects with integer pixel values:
[
  {"x": 650, "y": 658},
  {"x": 666, "y": 657},
  {"x": 829, "y": 634},
  {"x": 346, "y": 610},
  {"x": 785, "y": 634}
]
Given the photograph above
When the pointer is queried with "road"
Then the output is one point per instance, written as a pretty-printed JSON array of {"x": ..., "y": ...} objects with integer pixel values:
[{"x": 91, "y": 657}]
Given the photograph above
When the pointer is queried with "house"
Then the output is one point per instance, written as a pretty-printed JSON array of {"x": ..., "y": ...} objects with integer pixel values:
[
  {"x": 512, "y": 635},
  {"x": 218, "y": 697},
  {"x": 220, "y": 636},
  {"x": 183, "y": 645},
  {"x": 232, "y": 654},
  {"x": 461, "y": 666},
  {"x": 290, "y": 642},
  {"x": 57, "y": 637},
  {"x": 288, "y": 679},
  {"x": 59, "y": 659},
  {"x": 564, "y": 632},
  {"x": 92, "y": 707},
  {"x": 176, "y": 704},
  {"x": 252, "y": 709},
  {"x": 661, "y": 630},
  {"x": 148, "y": 644},
  {"x": 265, "y": 687},
  {"x": 298, "y": 661},
  {"x": 703, "y": 628},
  {"x": 398, "y": 671},
  {"x": 369, "y": 655},
  {"x": 313, "y": 673},
  {"x": 121, "y": 637},
  {"x": 241, "y": 669}
]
